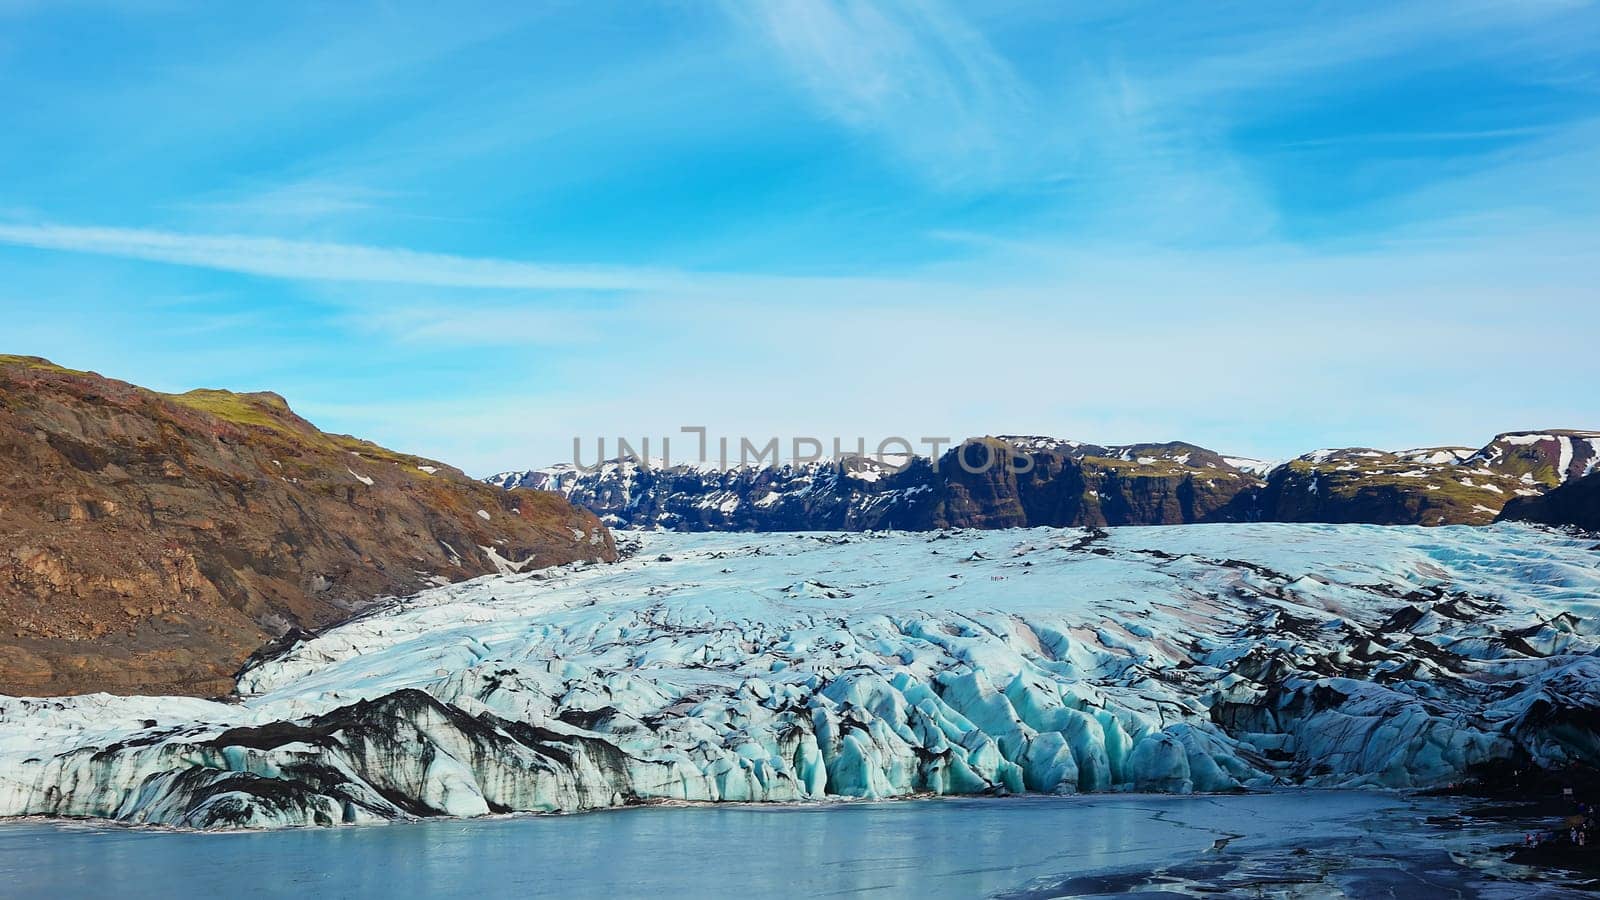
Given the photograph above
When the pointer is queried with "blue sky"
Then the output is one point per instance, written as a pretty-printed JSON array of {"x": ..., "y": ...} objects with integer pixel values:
[{"x": 476, "y": 234}]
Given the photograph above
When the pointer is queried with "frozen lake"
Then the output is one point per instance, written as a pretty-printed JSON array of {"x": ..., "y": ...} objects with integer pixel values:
[{"x": 1321, "y": 843}]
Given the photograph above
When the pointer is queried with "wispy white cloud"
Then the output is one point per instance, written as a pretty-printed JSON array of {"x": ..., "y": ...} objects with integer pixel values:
[
  {"x": 912, "y": 73},
  {"x": 1150, "y": 121},
  {"x": 324, "y": 261},
  {"x": 460, "y": 321},
  {"x": 300, "y": 200},
  {"x": 1423, "y": 137},
  {"x": 1544, "y": 184},
  {"x": 315, "y": 261},
  {"x": 1275, "y": 56},
  {"x": 1252, "y": 345},
  {"x": 1102, "y": 166},
  {"x": 1233, "y": 338}
]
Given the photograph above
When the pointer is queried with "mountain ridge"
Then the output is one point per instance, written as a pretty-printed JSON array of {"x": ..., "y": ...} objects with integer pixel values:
[{"x": 1070, "y": 483}]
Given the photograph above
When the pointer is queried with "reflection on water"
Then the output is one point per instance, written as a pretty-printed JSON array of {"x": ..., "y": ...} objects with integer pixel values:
[{"x": 928, "y": 849}]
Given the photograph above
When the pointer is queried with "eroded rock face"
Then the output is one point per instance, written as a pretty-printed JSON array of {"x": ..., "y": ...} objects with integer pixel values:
[
  {"x": 794, "y": 667},
  {"x": 149, "y": 542},
  {"x": 1576, "y": 503}
]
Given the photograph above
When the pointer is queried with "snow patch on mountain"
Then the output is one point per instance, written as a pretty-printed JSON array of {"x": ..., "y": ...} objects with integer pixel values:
[
  {"x": 1260, "y": 467},
  {"x": 1437, "y": 456},
  {"x": 1568, "y": 454}
]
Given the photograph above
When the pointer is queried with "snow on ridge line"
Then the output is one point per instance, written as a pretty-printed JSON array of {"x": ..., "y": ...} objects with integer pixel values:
[
  {"x": 866, "y": 466},
  {"x": 791, "y": 667},
  {"x": 562, "y": 476},
  {"x": 1258, "y": 467}
]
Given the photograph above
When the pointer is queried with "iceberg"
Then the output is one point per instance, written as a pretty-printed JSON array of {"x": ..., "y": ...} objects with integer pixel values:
[{"x": 798, "y": 667}]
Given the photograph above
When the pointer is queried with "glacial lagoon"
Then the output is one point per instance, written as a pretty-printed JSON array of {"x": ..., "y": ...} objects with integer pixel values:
[{"x": 1292, "y": 843}]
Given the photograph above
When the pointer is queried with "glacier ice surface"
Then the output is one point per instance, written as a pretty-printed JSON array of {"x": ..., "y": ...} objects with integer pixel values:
[{"x": 788, "y": 667}]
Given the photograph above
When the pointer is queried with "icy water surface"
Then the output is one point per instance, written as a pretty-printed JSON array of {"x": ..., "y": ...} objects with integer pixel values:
[{"x": 1287, "y": 844}]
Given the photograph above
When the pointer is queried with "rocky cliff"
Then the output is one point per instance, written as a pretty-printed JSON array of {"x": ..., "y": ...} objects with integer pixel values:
[
  {"x": 1575, "y": 503},
  {"x": 152, "y": 542},
  {"x": 1063, "y": 483}
]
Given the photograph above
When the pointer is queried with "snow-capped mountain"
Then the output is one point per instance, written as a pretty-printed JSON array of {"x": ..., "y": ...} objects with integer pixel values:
[
  {"x": 1069, "y": 483},
  {"x": 1073, "y": 483},
  {"x": 792, "y": 667},
  {"x": 1427, "y": 486},
  {"x": 701, "y": 498}
]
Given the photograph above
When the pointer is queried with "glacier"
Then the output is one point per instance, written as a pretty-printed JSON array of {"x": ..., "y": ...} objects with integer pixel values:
[{"x": 798, "y": 667}]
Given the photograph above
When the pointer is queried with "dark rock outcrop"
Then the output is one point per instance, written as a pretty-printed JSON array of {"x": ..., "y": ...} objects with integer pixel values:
[{"x": 1576, "y": 503}]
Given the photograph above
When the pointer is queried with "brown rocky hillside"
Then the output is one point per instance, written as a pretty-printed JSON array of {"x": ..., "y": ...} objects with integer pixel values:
[{"x": 151, "y": 541}]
